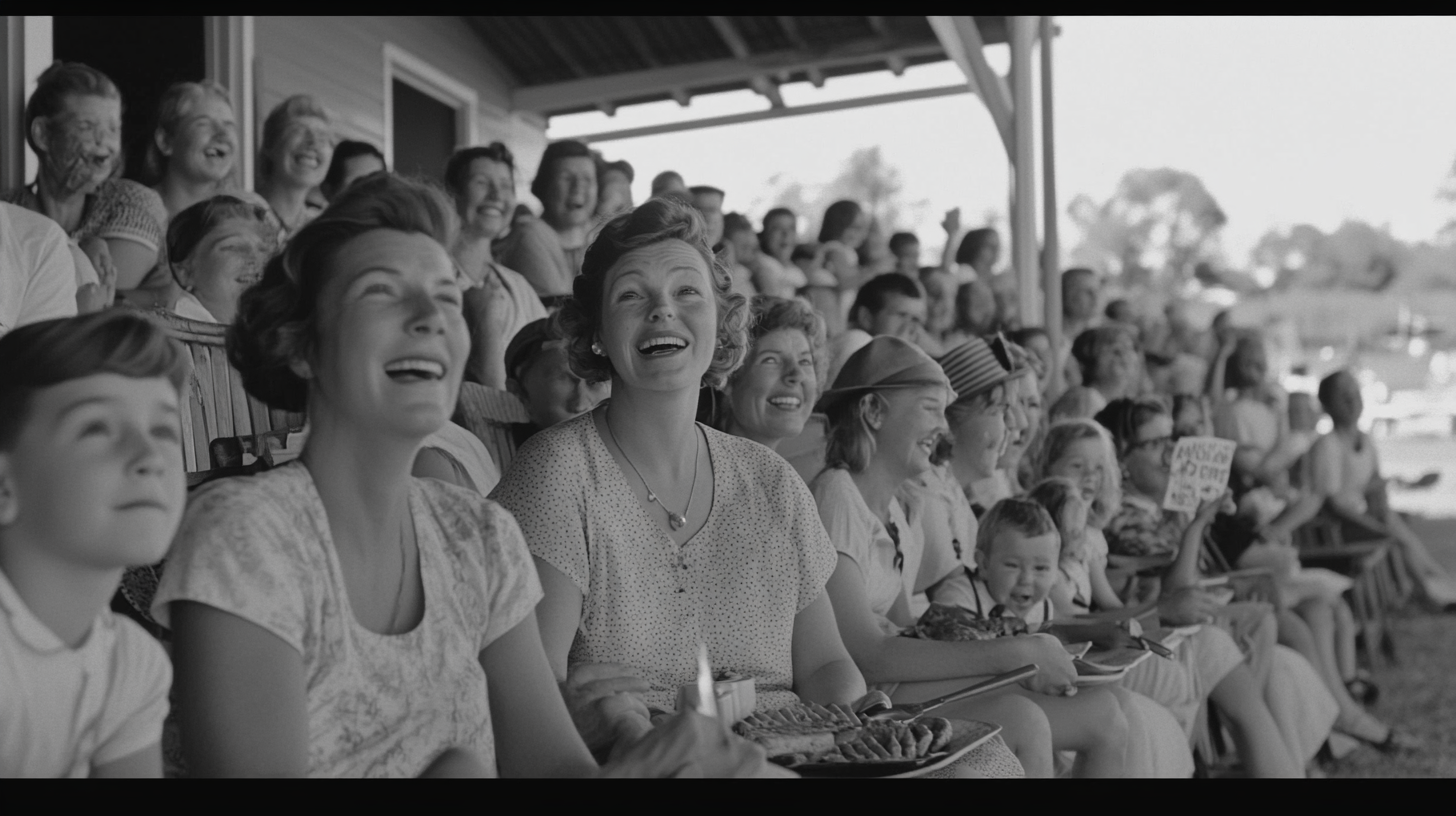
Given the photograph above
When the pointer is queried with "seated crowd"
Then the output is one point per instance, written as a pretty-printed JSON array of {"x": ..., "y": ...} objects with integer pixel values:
[{"x": 548, "y": 458}]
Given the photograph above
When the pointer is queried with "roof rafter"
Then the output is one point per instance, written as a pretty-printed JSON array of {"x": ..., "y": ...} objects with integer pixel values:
[
  {"x": 591, "y": 91},
  {"x": 791, "y": 30},
  {"x": 638, "y": 40},
  {"x": 558, "y": 48},
  {"x": 735, "y": 42}
]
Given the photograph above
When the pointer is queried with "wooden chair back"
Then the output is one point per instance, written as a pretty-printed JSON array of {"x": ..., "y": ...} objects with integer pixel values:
[{"x": 221, "y": 422}]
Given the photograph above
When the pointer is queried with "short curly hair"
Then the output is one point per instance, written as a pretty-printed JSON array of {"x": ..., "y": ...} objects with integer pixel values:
[
  {"x": 1090, "y": 343},
  {"x": 657, "y": 220},
  {"x": 767, "y": 313},
  {"x": 277, "y": 317}
]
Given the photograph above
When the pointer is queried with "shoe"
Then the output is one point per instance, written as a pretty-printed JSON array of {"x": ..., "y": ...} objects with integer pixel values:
[
  {"x": 1393, "y": 742},
  {"x": 1362, "y": 688}
]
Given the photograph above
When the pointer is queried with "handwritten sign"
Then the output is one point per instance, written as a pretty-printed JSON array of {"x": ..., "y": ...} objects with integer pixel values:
[{"x": 1199, "y": 472}]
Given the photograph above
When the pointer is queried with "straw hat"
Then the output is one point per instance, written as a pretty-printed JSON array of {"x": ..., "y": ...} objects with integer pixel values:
[
  {"x": 975, "y": 365},
  {"x": 884, "y": 362}
]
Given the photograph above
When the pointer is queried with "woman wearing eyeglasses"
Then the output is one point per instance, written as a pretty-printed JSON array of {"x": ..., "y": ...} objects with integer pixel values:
[
  {"x": 886, "y": 416},
  {"x": 1142, "y": 432}
]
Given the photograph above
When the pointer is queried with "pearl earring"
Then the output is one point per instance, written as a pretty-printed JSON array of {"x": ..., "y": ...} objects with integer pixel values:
[{"x": 597, "y": 349}]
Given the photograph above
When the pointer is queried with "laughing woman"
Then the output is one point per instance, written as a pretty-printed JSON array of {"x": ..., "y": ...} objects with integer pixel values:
[
  {"x": 335, "y": 616},
  {"x": 653, "y": 533},
  {"x": 770, "y": 397},
  {"x": 298, "y": 146}
]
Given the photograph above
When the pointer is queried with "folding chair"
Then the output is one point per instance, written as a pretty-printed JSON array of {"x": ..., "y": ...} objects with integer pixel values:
[{"x": 1369, "y": 564}]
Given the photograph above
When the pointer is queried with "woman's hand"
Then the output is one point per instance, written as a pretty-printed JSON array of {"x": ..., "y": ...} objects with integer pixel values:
[
  {"x": 690, "y": 745},
  {"x": 93, "y": 297},
  {"x": 1223, "y": 503},
  {"x": 1187, "y": 606},
  {"x": 605, "y": 703},
  {"x": 1055, "y": 676},
  {"x": 952, "y": 222}
]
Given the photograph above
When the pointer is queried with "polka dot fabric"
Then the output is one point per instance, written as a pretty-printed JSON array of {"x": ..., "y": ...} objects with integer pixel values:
[{"x": 760, "y": 558}]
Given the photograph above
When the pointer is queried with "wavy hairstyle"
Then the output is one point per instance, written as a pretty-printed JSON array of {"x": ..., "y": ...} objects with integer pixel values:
[
  {"x": 1061, "y": 436},
  {"x": 277, "y": 317},
  {"x": 1091, "y": 343},
  {"x": 657, "y": 220}
]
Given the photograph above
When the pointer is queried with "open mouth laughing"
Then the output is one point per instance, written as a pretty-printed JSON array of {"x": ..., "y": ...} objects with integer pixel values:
[
  {"x": 415, "y": 369},
  {"x": 661, "y": 345}
]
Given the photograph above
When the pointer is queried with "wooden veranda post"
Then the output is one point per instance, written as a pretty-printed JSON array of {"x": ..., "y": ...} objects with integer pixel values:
[
  {"x": 1051, "y": 252},
  {"x": 1023, "y": 161}
]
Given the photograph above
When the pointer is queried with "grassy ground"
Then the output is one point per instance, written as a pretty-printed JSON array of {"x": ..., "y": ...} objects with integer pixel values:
[{"x": 1418, "y": 694}]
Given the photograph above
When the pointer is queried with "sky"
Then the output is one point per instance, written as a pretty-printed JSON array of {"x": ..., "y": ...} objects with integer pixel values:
[{"x": 1286, "y": 120}]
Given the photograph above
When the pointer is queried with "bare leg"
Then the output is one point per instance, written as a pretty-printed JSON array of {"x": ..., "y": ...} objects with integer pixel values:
[
  {"x": 1255, "y": 733},
  {"x": 1420, "y": 559},
  {"x": 1092, "y": 724},
  {"x": 1024, "y": 727},
  {"x": 1345, "y": 640},
  {"x": 1354, "y": 719},
  {"x": 1296, "y": 634}
]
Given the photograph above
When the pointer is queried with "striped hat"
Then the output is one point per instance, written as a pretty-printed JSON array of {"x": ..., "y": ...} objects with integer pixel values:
[{"x": 975, "y": 365}]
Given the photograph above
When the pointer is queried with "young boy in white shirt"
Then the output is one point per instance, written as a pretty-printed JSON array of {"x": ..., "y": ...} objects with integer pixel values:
[{"x": 91, "y": 482}]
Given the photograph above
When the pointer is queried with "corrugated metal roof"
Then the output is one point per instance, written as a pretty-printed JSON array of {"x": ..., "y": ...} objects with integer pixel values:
[{"x": 655, "y": 56}]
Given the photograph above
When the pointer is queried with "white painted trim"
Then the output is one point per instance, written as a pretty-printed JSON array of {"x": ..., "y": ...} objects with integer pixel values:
[
  {"x": 229, "y": 50},
  {"x": 426, "y": 78},
  {"x": 26, "y": 50}
]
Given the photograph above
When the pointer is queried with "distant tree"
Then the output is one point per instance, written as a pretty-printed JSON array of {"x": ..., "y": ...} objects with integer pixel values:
[
  {"x": 1356, "y": 256},
  {"x": 1447, "y": 234},
  {"x": 1156, "y": 228},
  {"x": 865, "y": 178}
]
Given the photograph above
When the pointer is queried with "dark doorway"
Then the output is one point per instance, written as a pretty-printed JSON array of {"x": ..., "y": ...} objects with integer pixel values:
[
  {"x": 424, "y": 132},
  {"x": 142, "y": 55}
]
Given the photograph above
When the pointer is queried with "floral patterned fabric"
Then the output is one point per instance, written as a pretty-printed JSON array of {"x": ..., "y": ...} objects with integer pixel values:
[
  {"x": 260, "y": 547},
  {"x": 1142, "y": 528}
]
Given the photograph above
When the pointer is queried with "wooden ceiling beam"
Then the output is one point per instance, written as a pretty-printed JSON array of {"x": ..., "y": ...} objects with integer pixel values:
[
  {"x": 547, "y": 29},
  {"x": 638, "y": 40},
  {"x": 761, "y": 83},
  {"x": 590, "y": 91}
]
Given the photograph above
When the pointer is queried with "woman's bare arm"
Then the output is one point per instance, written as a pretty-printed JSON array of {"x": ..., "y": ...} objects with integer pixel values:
[
  {"x": 823, "y": 670},
  {"x": 240, "y": 696},
  {"x": 534, "y": 734}
]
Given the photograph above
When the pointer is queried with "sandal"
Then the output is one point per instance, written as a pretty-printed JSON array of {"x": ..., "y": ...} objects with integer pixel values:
[
  {"x": 1394, "y": 741},
  {"x": 1362, "y": 688}
]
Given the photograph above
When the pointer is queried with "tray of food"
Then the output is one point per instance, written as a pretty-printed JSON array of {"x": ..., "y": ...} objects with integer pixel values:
[{"x": 816, "y": 741}]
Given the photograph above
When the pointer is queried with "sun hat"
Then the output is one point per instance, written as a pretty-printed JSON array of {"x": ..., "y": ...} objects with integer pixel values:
[
  {"x": 975, "y": 365},
  {"x": 884, "y": 362}
]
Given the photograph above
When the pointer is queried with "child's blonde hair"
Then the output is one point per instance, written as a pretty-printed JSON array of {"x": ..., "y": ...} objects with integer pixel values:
[
  {"x": 1061, "y": 436},
  {"x": 1063, "y": 501}
]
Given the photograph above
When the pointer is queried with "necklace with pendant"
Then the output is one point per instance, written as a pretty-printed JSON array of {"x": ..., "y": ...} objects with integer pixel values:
[{"x": 674, "y": 520}]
